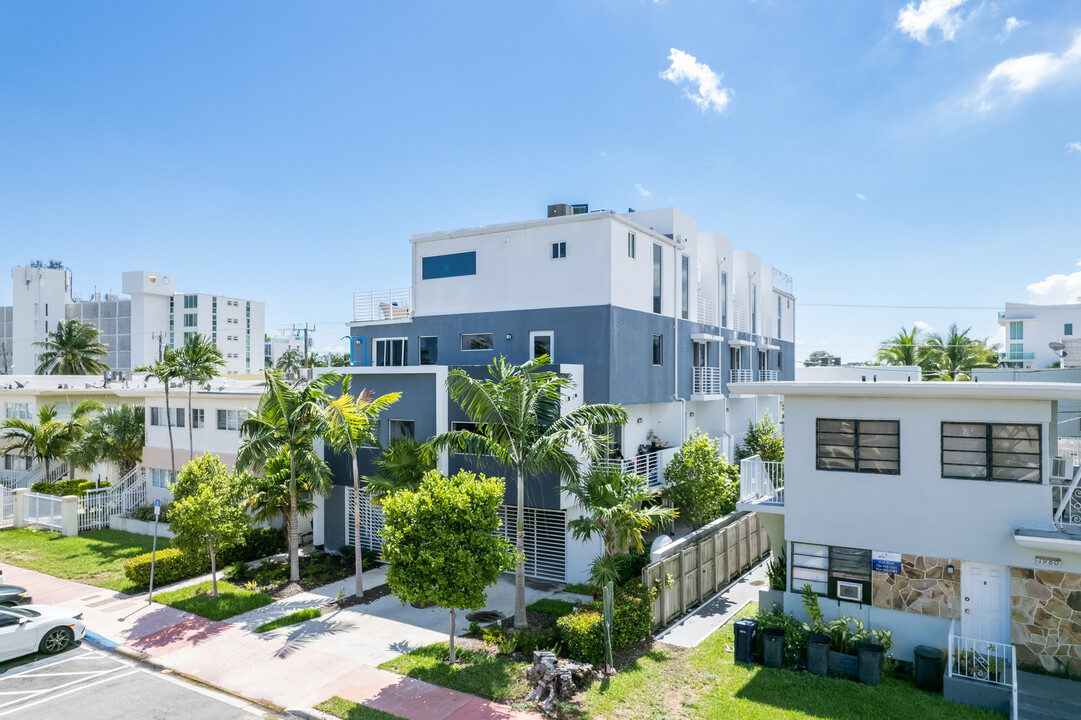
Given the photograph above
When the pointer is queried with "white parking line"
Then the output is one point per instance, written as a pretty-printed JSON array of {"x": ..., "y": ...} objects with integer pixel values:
[
  {"x": 64, "y": 685},
  {"x": 54, "y": 663},
  {"x": 69, "y": 692}
]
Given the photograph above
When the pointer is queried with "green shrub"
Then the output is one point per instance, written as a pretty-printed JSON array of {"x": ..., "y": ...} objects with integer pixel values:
[
  {"x": 58, "y": 488},
  {"x": 632, "y": 619},
  {"x": 530, "y": 639},
  {"x": 84, "y": 485},
  {"x": 146, "y": 513},
  {"x": 582, "y": 633},
  {"x": 170, "y": 566},
  {"x": 795, "y": 638},
  {"x": 238, "y": 572},
  {"x": 368, "y": 558},
  {"x": 629, "y": 566},
  {"x": 257, "y": 544}
]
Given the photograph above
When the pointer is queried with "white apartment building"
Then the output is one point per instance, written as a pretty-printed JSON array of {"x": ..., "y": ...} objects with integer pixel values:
[
  {"x": 274, "y": 346},
  {"x": 1030, "y": 330},
  {"x": 135, "y": 328}
]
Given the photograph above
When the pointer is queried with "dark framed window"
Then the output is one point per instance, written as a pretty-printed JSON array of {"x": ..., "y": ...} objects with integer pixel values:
[
  {"x": 1067, "y": 329},
  {"x": 477, "y": 341},
  {"x": 542, "y": 345},
  {"x": 656, "y": 278},
  {"x": 198, "y": 418},
  {"x": 391, "y": 352},
  {"x": 559, "y": 250},
  {"x": 452, "y": 265},
  {"x": 810, "y": 566},
  {"x": 992, "y": 451},
  {"x": 402, "y": 429},
  {"x": 867, "y": 446},
  {"x": 833, "y": 571},
  {"x": 429, "y": 350},
  {"x": 630, "y": 245},
  {"x": 658, "y": 349}
]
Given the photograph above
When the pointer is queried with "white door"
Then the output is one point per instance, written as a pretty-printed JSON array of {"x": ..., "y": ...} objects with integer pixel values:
[{"x": 985, "y": 602}]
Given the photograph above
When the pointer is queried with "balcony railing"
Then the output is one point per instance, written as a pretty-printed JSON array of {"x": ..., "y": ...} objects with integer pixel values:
[
  {"x": 648, "y": 465},
  {"x": 983, "y": 661},
  {"x": 1066, "y": 503},
  {"x": 782, "y": 282},
  {"x": 738, "y": 321},
  {"x": 706, "y": 381},
  {"x": 768, "y": 376},
  {"x": 761, "y": 481},
  {"x": 1014, "y": 356},
  {"x": 394, "y": 305},
  {"x": 706, "y": 315},
  {"x": 738, "y": 375}
]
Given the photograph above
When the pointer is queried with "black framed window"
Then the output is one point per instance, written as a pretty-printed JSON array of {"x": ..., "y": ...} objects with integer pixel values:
[
  {"x": 391, "y": 352},
  {"x": 402, "y": 429},
  {"x": 810, "y": 566},
  {"x": 658, "y": 349},
  {"x": 630, "y": 245},
  {"x": 992, "y": 451},
  {"x": 559, "y": 250},
  {"x": 429, "y": 350},
  {"x": 477, "y": 341},
  {"x": 867, "y": 446},
  {"x": 685, "y": 286},
  {"x": 824, "y": 567}
]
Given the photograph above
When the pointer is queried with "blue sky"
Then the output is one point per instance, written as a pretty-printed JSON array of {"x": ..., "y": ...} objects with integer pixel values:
[{"x": 881, "y": 153}]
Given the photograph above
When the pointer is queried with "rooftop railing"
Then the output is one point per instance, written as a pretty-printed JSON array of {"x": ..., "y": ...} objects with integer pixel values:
[
  {"x": 394, "y": 305},
  {"x": 782, "y": 281}
]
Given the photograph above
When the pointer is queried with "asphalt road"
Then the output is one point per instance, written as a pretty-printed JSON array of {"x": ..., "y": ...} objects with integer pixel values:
[{"x": 87, "y": 682}]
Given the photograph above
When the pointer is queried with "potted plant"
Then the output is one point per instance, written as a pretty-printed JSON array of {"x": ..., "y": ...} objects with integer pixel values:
[
  {"x": 777, "y": 574},
  {"x": 845, "y": 635}
]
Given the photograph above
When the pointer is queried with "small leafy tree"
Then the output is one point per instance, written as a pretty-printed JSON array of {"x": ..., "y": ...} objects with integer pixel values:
[
  {"x": 701, "y": 482},
  {"x": 763, "y": 439},
  {"x": 207, "y": 512},
  {"x": 441, "y": 542}
]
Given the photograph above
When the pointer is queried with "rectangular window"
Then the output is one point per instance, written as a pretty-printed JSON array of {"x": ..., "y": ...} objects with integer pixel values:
[
  {"x": 542, "y": 345},
  {"x": 191, "y": 301},
  {"x": 468, "y": 427},
  {"x": 867, "y": 446},
  {"x": 850, "y": 567},
  {"x": 1067, "y": 329},
  {"x": 810, "y": 566},
  {"x": 778, "y": 333},
  {"x": 161, "y": 478},
  {"x": 685, "y": 289},
  {"x": 1017, "y": 349},
  {"x": 390, "y": 352},
  {"x": 429, "y": 350},
  {"x": 754, "y": 308},
  {"x": 228, "y": 420},
  {"x": 658, "y": 349},
  {"x": 191, "y": 320},
  {"x": 178, "y": 414},
  {"x": 656, "y": 278},
  {"x": 17, "y": 410},
  {"x": 1017, "y": 331},
  {"x": 991, "y": 451},
  {"x": 724, "y": 299},
  {"x": 630, "y": 245},
  {"x": 402, "y": 429},
  {"x": 198, "y": 418},
  {"x": 559, "y": 250},
  {"x": 157, "y": 416},
  {"x": 477, "y": 341},
  {"x": 453, "y": 265}
]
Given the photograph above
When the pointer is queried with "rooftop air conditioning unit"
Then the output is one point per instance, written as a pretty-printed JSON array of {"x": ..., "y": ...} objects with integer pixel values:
[{"x": 849, "y": 591}]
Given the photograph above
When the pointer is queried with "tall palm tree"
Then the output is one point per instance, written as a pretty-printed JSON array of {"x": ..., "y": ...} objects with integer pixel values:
[
  {"x": 290, "y": 361},
  {"x": 517, "y": 412},
  {"x": 75, "y": 427},
  {"x": 955, "y": 353},
  {"x": 288, "y": 419},
  {"x": 268, "y": 494},
  {"x": 349, "y": 424},
  {"x": 907, "y": 347},
  {"x": 166, "y": 370},
  {"x": 42, "y": 441},
  {"x": 73, "y": 349},
  {"x": 401, "y": 467},
  {"x": 198, "y": 360},
  {"x": 115, "y": 436}
]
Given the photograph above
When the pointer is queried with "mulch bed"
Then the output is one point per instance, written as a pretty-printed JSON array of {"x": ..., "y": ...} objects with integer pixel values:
[{"x": 370, "y": 596}]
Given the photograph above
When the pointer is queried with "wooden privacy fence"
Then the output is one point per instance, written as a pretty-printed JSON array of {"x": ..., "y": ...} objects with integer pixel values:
[{"x": 699, "y": 567}]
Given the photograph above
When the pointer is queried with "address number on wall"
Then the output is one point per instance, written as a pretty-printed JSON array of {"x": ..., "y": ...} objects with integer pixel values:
[{"x": 1042, "y": 561}]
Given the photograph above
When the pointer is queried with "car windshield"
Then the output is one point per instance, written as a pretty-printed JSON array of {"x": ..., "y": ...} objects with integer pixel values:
[{"x": 21, "y": 612}]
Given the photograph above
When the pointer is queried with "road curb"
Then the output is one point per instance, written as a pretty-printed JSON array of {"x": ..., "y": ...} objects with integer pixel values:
[
  {"x": 100, "y": 640},
  {"x": 309, "y": 714}
]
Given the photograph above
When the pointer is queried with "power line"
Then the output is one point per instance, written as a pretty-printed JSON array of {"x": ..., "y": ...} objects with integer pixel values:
[{"x": 903, "y": 307}]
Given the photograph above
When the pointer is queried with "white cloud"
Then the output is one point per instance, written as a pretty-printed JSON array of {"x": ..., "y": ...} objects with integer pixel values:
[
  {"x": 1074, "y": 147},
  {"x": 1008, "y": 27},
  {"x": 924, "y": 327},
  {"x": 641, "y": 190},
  {"x": 1021, "y": 75},
  {"x": 860, "y": 196},
  {"x": 685, "y": 68},
  {"x": 917, "y": 22},
  {"x": 1056, "y": 289}
]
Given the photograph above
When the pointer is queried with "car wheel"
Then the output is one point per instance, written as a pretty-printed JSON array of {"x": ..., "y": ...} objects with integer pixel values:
[{"x": 56, "y": 640}]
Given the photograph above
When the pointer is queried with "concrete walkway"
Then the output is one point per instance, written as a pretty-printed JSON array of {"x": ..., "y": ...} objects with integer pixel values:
[
  {"x": 276, "y": 671},
  {"x": 717, "y": 611}
]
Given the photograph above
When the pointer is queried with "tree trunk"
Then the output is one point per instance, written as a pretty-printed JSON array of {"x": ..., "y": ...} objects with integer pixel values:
[
  {"x": 356, "y": 527},
  {"x": 191, "y": 441},
  {"x": 294, "y": 526},
  {"x": 169, "y": 425},
  {"x": 452, "y": 656},
  {"x": 520, "y": 620},
  {"x": 213, "y": 566}
]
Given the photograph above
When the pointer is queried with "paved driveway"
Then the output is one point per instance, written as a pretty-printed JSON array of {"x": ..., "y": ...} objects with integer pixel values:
[{"x": 87, "y": 683}]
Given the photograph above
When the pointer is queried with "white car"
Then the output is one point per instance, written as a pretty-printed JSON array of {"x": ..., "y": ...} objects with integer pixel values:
[{"x": 38, "y": 628}]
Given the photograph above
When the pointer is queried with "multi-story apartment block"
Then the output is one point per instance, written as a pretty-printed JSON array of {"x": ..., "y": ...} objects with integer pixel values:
[
  {"x": 135, "y": 328},
  {"x": 640, "y": 308},
  {"x": 1032, "y": 329}
]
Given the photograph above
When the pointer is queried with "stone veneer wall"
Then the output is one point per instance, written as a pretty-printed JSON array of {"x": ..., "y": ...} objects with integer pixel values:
[
  {"x": 1045, "y": 615},
  {"x": 924, "y": 586}
]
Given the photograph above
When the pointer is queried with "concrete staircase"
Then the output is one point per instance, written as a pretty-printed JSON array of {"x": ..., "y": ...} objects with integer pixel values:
[{"x": 1040, "y": 697}]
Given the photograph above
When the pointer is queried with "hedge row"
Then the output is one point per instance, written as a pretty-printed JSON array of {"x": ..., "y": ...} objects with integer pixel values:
[
  {"x": 172, "y": 564},
  {"x": 632, "y": 620},
  {"x": 65, "y": 487}
]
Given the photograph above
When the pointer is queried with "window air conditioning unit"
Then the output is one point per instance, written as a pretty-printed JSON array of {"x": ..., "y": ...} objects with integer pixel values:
[
  {"x": 1058, "y": 467},
  {"x": 849, "y": 591}
]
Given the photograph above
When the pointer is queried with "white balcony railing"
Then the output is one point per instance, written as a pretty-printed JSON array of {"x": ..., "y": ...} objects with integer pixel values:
[
  {"x": 648, "y": 465},
  {"x": 1066, "y": 503},
  {"x": 706, "y": 381},
  {"x": 738, "y": 375},
  {"x": 983, "y": 661},
  {"x": 768, "y": 376},
  {"x": 395, "y": 305},
  {"x": 738, "y": 320},
  {"x": 761, "y": 481},
  {"x": 706, "y": 315}
]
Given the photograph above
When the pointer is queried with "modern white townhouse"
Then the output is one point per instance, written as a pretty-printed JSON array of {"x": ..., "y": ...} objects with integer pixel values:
[
  {"x": 135, "y": 328},
  {"x": 938, "y": 510},
  {"x": 1031, "y": 330},
  {"x": 641, "y": 308}
]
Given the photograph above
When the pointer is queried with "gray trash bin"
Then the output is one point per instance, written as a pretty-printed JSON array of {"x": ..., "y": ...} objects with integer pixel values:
[
  {"x": 773, "y": 647},
  {"x": 871, "y": 655},
  {"x": 746, "y": 631},
  {"x": 928, "y": 668}
]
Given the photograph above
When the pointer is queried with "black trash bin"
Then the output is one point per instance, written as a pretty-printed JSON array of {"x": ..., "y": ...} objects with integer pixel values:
[
  {"x": 928, "y": 668},
  {"x": 871, "y": 655},
  {"x": 818, "y": 654},
  {"x": 746, "y": 631},
  {"x": 773, "y": 647}
]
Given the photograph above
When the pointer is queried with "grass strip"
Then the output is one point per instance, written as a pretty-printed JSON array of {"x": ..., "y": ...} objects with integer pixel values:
[
  {"x": 495, "y": 678},
  {"x": 197, "y": 599},
  {"x": 290, "y": 619},
  {"x": 349, "y": 710},
  {"x": 551, "y": 606}
]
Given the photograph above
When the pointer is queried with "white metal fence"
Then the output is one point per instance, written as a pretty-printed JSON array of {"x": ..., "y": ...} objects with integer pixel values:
[
  {"x": 43, "y": 511},
  {"x": 768, "y": 376},
  {"x": 545, "y": 540},
  {"x": 382, "y": 305},
  {"x": 984, "y": 661},
  {"x": 649, "y": 465},
  {"x": 1066, "y": 502},
  {"x": 7, "y": 508},
  {"x": 97, "y": 506},
  {"x": 761, "y": 480},
  {"x": 706, "y": 381},
  {"x": 738, "y": 375}
]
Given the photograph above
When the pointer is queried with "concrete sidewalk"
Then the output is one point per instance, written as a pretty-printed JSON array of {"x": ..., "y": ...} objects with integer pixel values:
[
  {"x": 717, "y": 611},
  {"x": 278, "y": 672}
]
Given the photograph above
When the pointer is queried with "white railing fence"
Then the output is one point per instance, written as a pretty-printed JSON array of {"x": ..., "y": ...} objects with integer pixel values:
[
  {"x": 984, "y": 661},
  {"x": 706, "y": 315},
  {"x": 43, "y": 511},
  {"x": 768, "y": 376},
  {"x": 737, "y": 317},
  {"x": 706, "y": 381},
  {"x": 738, "y": 375},
  {"x": 648, "y": 465},
  {"x": 97, "y": 506},
  {"x": 761, "y": 480},
  {"x": 382, "y": 305},
  {"x": 1066, "y": 502},
  {"x": 782, "y": 281},
  {"x": 14, "y": 479},
  {"x": 7, "y": 508}
]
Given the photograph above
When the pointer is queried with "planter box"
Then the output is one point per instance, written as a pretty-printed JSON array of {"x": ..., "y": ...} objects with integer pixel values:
[
  {"x": 847, "y": 664},
  {"x": 768, "y": 598},
  {"x": 139, "y": 527}
]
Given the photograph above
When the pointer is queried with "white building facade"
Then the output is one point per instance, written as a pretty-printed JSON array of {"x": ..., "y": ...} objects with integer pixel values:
[{"x": 1030, "y": 330}]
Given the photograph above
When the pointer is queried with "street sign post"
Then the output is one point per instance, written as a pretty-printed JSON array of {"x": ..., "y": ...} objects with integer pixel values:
[{"x": 154, "y": 548}]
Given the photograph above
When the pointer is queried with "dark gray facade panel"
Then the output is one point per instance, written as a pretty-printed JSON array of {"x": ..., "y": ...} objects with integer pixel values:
[{"x": 334, "y": 520}]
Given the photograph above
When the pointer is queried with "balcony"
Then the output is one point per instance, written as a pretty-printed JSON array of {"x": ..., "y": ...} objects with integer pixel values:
[
  {"x": 1015, "y": 356},
  {"x": 649, "y": 465},
  {"x": 706, "y": 381},
  {"x": 782, "y": 282},
  {"x": 761, "y": 485},
  {"x": 706, "y": 314},
  {"x": 768, "y": 376},
  {"x": 379, "y": 306},
  {"x": 1066, "y": 502},
  {"x": 739, "y": 375}
]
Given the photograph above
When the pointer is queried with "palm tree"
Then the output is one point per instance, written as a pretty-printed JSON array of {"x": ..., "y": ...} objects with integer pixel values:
[
  {"x": 955, "y": 353},
  {"x": 166, "y": 370},
  {"x": 116, "y": 436},
  {"x": 288, "y": 419},
  {"x": 75, "y": 427},
  {"x": 73, "y": 349},
  {"x": 268, "y": 494},
  {"x": 197, "y": 361},
  {"x": 907, "y": 347},
  {"x": 290, "y": 361},
  {"x": 42, "y": 441},
  {"x": 401, "y": 467},
  {"x": 349, "y": 424},
  {"x": 517, "y": 413}
]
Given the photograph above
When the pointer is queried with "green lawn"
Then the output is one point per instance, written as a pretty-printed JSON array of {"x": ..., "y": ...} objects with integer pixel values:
[
  {"x": 495, "y": 678},
  {"x": 551, "y": 606},
  {"x": 95, "y": 557},
  {"x": 580, "y": 589},
  {"x": 350, "y": 710},
  {"x": 290, "y": 619},
  {"x": 231, "y": 600}
]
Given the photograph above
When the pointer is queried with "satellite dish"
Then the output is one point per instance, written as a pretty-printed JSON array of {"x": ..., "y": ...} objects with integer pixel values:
[{"x": 1056, "y": 346}]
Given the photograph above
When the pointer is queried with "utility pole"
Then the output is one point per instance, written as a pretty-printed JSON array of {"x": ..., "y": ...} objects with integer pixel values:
[
  {"x": 306, "y": 329},
  {"x": 161, "y": 354}
]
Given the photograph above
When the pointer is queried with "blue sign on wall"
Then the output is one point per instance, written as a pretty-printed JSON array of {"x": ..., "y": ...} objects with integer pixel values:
[{"x": 885, "y": 562}]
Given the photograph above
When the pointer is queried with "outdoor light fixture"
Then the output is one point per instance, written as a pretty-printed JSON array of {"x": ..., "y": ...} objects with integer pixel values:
[
  {"x": 509, "y": 336},
  {"x": 639, "y": 421}
]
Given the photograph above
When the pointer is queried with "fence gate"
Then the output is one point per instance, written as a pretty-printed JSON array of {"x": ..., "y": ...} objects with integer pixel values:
[
  {"x": 371, "y": 522},
  {"x": 7, "y": 508},
  {"x": 43, "y": 511}
]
